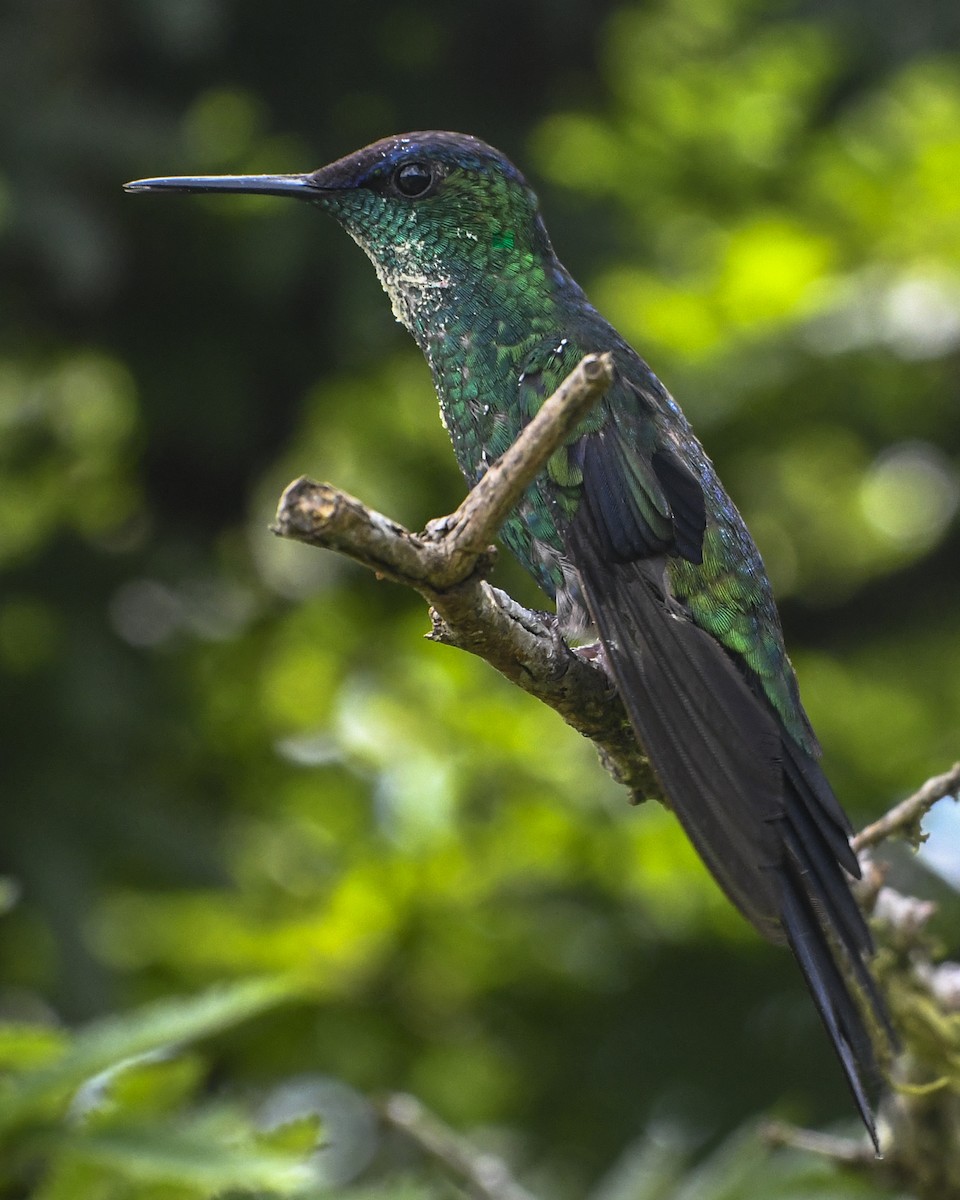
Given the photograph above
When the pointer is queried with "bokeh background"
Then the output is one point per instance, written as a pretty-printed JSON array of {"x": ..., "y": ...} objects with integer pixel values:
[{"x": 225, "y": 758}]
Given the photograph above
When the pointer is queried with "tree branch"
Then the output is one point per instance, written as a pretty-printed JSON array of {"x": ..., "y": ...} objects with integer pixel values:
[
  {"x": 488, "y": 1175},
  {"x": 849, "y": 1152},
  {"x": 904, "y": 819},
  {"x": 446, "y": 565}
]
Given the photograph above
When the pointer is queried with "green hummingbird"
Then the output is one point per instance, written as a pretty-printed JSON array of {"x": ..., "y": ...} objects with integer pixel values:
[{"x": 628, "y": 529}]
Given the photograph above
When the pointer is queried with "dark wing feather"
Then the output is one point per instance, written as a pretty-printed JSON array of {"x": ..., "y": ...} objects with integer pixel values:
[
  {"x": 755, "y": 805},
  {"x": 640, "y": 506},
  {"x": 626, "y": 501},
  {"x": 714, "y": 748},
  {"x": 687, "y": 503}
]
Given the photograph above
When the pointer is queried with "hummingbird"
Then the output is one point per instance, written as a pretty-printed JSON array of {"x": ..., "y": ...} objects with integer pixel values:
[{"x": 629, "y": 531}]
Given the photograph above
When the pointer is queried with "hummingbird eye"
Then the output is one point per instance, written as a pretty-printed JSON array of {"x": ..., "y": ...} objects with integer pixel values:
[{"x": 413, "y": 179}]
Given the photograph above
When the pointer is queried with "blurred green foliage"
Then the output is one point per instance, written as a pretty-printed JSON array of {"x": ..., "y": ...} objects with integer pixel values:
[{"x": 226, "y": 757}]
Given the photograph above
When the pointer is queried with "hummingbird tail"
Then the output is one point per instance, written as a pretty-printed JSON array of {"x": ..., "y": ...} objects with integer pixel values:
[
  {"x": 754, "y": 803},
  {"x": 831, "y": 994}
]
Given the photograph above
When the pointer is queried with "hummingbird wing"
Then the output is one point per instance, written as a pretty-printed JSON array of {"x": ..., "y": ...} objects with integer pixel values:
[{"x": 747, "y": 789}]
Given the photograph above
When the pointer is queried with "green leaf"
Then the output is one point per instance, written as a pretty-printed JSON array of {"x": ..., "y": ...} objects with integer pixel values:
[
  {"x": 190, "y": 1159},
  {"x": 107, "y": 1043},
  {"x": 158, "y": 1083}
]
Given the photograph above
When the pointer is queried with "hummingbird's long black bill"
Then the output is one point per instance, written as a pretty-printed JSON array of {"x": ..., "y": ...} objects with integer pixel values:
[{"x": 264, "y": 185}]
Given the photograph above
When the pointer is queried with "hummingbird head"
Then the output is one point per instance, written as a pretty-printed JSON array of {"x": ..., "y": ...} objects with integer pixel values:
[
  {"x": 447, "y": 198},
  {"x": 433, "y": 211}
]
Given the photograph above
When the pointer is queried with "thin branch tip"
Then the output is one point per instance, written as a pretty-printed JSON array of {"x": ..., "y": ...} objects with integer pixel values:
[
  {"x": 904, "y": 819},
  {"x": 487, "y": 1175}
]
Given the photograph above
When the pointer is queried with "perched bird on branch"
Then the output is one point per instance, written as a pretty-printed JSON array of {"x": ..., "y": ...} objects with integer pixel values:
[{"x": 629, "y": 529}]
